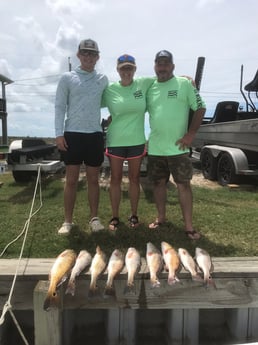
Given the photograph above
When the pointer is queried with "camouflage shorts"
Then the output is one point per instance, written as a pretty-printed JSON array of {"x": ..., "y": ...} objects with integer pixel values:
[{"x": 160, "y": 167}]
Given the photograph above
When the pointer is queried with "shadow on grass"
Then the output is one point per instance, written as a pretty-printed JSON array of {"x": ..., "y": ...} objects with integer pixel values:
[{"x": 126, "y": 237}]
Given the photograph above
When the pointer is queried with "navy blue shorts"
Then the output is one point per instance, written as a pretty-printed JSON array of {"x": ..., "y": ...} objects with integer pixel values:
[
  {"x": 126, "y": 152},
  {"x": 87, "y": 148}
]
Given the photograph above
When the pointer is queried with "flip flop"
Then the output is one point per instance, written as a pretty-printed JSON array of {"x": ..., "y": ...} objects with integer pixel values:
[
  {"x": 133, "y": 221},
  {"x": 193, "y": 235},
  {"x": 155, "y": 225},
  {"x": 114, "y": 223}
]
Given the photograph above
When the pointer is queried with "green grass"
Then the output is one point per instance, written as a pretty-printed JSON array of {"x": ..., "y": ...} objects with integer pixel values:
[{"x": 226, "y": 217}]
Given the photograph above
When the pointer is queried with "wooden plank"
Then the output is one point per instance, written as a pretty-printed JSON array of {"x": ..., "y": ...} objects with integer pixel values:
[
  {"x": 236, "y": 280},
  {"x": 40, "y": 267},
  {"x": 48, "y": 324}
]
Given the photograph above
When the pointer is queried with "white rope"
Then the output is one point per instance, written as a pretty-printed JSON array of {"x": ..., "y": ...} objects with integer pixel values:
[{"x": 8, "y": 306}]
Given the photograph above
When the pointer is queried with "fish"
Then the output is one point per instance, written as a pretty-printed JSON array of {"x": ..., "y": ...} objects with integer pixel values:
[
  {"x": 83, "y": 260},
  {"x": 189, "y": 264},
  {"x": 172, "y": 262},
  {"x": 133, "y": 264},
  {"x": 154, "y": 262},
  {"x": 205, "y": 264},
  {"x": 114, "y": 267},
  {"x": 97, "y": 267},
  {"x": 58, "y": 274}
]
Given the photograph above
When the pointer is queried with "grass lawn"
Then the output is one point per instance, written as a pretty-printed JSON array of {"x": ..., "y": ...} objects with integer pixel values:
[{"x": 227, "y": 218}]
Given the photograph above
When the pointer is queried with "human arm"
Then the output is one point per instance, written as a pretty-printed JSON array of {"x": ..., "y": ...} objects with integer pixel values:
[
  {"x": 61, "y": 143},
  {"x": 60, "y": 111},
  {"x": 186, "y": 141}
]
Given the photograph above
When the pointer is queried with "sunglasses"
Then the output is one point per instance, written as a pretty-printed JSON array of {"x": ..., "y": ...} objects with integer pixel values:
[
  {"x": 126, "y": 58},
  {"x": 88, "y": 53}
]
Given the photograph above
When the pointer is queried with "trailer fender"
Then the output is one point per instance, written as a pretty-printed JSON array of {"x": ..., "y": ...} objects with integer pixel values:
[{"x": 238, "y": 156}]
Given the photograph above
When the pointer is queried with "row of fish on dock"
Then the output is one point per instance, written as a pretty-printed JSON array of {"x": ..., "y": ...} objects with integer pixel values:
[{"x": 168, "y": 258}]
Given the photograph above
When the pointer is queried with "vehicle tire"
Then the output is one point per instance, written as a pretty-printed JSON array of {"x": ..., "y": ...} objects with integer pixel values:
[
  {"x": 23, "y": 176},
  {"x": 226, "y": 172},
  {"x": 208, "y": 165}
]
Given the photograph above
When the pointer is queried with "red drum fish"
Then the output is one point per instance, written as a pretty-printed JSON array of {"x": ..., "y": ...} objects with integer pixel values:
[
  {"x": 133, "y": 264},
  {"x": 98, "y": 265},
  {"x": 172, "y": 262},
  {"x": 115, "y": 266},
  {"x": 154, "y": 262},
  {"x": 58, "y": 274},
  {"x": 83, "y": 260},
  {"x": 189, "y": 264},
  {"x": 204, "y": 262}
]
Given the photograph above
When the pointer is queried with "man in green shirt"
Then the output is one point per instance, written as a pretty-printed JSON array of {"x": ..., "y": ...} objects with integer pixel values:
[{"x": 169, "y": 101}]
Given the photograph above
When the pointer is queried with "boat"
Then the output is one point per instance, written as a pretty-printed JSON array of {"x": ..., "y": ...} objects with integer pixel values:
[{"x": 227, "y": 144}]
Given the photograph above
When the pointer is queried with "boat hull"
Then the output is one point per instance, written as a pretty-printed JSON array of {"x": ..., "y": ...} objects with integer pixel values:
[{"x": 241, "y": 134}]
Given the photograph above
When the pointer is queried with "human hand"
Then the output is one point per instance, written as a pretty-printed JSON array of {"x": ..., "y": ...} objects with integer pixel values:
[
  {"x": 189, "y": 78},
  {"x": 185, "y": 142},
  {"x": 61, "y": 143}
]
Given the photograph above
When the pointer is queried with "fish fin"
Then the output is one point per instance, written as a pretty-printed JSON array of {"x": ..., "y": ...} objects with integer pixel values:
[
  {"x": 62, "y": 280},
  {"x": 70, "y": 288},
  {"x": 51, "y": 301},
  {"x": 93, "y": 292}
]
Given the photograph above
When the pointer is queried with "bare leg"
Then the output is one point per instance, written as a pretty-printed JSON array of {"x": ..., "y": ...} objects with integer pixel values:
[
  {"x": 116, "y": 165},
  {"x": 134, "y": 166},
  {"x": 70, "y": 190},
  {"x": 160, "y": 197},
  {"x": 93, "y": 189},
  {"x": 186, "y": 203}
]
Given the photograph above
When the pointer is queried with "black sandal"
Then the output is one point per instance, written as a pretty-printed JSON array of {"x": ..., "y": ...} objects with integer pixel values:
[
  {"x": 193, "y": 235},
  {"x": 133, "y": 221},
  {"x": 114, "y": 223}
]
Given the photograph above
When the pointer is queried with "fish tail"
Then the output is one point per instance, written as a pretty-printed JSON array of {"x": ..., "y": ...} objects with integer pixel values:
[
  {"x": 155, "y": 282},
  {"x": 173, "y": 279},
  {"x": 52, "y": 301},
  {"x": 197, "y": 278},
  {"x": 130, "y": 288},
  {"x": 70, "y": 288},
  {"x": 93, "y": 292},
  {"x": 109, "y": 291}
]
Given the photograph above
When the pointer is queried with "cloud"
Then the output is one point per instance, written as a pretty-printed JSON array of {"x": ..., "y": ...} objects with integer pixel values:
[{"x": 47, "y": 33}]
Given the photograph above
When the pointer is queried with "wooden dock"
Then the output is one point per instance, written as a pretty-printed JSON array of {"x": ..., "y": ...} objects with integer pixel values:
[{"x": 178, "y": 308}]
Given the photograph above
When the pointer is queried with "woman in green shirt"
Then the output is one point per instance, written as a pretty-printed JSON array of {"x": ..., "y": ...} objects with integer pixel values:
[{"x": 126, "y": 102}]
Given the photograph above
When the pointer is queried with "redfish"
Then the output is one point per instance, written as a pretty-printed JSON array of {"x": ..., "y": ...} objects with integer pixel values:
[
  {"x": 204, "y": 262},
  {"x": 133, "y": 264},
  {"x": 172, "y": 262},
  {"x": 83, "y": 260},
  {"x": 98, "y": 265},
  {"x": 115, "y": 266},
  {"x": 58, "y": 274},
  {"x": 154, "y": 262},
  {"x": 189, "y": 264}
]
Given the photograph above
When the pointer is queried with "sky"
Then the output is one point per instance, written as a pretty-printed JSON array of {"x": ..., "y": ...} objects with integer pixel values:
[{"x": 38, "y": 38}]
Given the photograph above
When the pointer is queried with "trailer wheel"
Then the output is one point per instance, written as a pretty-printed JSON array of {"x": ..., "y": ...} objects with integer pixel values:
[
  {"x": 23, "y": 176},
  {"x": 208, "y": 165},
  {"x": 226, "y": 170}
]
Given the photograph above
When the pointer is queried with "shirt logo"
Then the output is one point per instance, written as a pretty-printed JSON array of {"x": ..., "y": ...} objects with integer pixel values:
[
  {"x": 172, "y": 94},
  {"x": 138, "y": 94}
]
